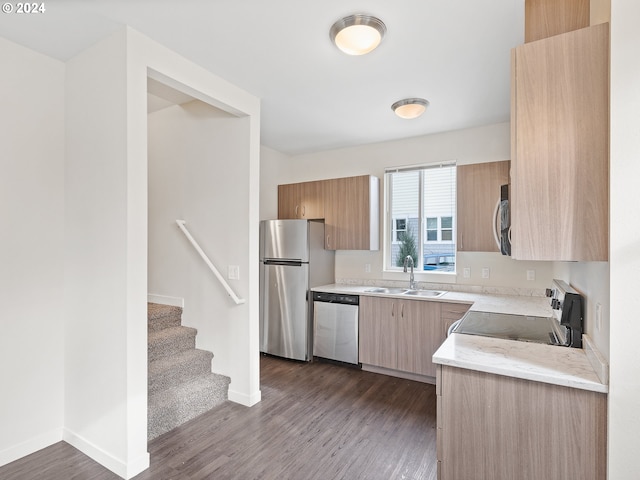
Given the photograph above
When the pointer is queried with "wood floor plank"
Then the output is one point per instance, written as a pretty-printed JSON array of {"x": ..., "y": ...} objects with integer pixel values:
[{"x": 316, "y": 421}]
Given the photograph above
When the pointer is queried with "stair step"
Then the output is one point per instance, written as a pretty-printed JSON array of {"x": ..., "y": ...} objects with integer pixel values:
[
  {"x": 163, "y": 316},
  {"x": 168, "y": 371},
  {"x": 174, "y": 406},
  {"x": 170, "y": 341}
]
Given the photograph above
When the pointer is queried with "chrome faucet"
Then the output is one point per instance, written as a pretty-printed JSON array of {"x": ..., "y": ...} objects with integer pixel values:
[{"x": 412, "y": 282}]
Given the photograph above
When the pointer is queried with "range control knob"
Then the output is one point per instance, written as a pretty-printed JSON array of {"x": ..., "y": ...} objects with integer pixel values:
[
  {"x": 549, "y": 292},
  {"x": 555, "y": 304}
]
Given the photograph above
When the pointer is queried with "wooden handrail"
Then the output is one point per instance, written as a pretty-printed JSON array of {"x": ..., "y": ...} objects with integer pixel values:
[{"x": 215, "y": 271}]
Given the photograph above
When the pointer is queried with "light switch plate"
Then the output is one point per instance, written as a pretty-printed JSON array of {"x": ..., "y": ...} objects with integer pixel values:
[
  {"x": 531, "y": 275},
  {"x": 233, "y": 272},
  {"x": 485, "y": 272},
  {"x": 466, "y": 272}
]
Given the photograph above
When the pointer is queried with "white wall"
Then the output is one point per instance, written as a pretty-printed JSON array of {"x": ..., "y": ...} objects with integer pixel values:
[
  {"x": 592, "y": 280},
  {"x": 271, "y": 164},
  {"x": 106, "y": 260},
  {"x": 475, "y": 145},
  {"x": 624, "y": 390},
  {"x": 31, "y": 251},
  {"x": 198, "y": 172},
  {"x": 238, "y": 180},
  {"x": 74, "y": 251},
  {"x": 105, "y": 346}
]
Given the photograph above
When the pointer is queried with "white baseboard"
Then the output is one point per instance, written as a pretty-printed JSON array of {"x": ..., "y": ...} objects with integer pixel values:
[
  {"x": 30, "y": 446},
  {"x": 244, "y": 399},
  {"x": 105, "y": 459},
  {"x": 165, "y": 300}
]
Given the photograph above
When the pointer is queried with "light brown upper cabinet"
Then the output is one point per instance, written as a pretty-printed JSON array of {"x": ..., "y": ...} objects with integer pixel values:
[
  {"x": 301, "y": 200},
  {"x": 560, "y": 147},
  {"x": 478, "y": 193},
  {"x": 545, "y": 18},
  {"x": 352, "y": 213},
  {"x": 349, "y": 206}
]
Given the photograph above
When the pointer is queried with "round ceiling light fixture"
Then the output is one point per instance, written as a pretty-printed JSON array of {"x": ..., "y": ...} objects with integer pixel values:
[
  {"x": 357, "y": 34},
  {"x": 410, "y": 107}
]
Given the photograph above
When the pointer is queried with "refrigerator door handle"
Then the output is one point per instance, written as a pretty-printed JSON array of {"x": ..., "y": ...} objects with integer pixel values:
[{"x": 284, "y": 262}]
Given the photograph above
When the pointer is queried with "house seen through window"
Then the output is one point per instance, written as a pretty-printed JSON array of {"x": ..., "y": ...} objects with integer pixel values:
[{"x": 421, "y": 208}]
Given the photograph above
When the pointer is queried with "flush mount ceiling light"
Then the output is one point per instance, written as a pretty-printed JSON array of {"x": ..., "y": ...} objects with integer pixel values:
[
  {"x": 410, "y": 107},
  {"x": 357, "y": 34}
]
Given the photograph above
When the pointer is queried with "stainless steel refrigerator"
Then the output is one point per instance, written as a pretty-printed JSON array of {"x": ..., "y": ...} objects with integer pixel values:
[{"x": 292, "y": 261}]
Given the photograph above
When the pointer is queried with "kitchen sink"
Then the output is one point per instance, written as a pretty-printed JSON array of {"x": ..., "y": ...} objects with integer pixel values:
[
  {"x": 425, "y": 293},
  {"x": 404, "y": 291},
  {"x": 387, "y": 290}
]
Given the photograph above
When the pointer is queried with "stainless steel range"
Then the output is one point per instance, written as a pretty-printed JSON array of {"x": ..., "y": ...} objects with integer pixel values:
[{"x": 563, "y": 328}]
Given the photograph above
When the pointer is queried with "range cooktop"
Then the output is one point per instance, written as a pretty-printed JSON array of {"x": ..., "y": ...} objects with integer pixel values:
[
  {"x": 564, "y": 327},
  {"x": 511, "y": 327}
]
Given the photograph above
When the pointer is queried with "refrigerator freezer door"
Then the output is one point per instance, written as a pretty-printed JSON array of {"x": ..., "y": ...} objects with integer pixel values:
[
  {"x": 284, "y": 329},
  {"x": 286, "y": 239}
]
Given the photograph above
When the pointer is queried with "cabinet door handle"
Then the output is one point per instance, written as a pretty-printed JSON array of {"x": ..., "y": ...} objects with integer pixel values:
[
  {"x": 328, "y": 240},
  {"x": 296, "y": 211},
  {"x": 304, "y": 210},
  {"x": 393, "y": 309},
  {"x": 402, "y": 311}
]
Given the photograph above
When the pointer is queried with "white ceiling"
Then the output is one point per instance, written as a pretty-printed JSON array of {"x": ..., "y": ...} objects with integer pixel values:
[{"x": 454, "y": 53}]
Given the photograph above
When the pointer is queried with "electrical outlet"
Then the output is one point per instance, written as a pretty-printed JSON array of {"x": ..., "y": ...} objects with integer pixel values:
[
  {"x": 598, "y": 316},
  {"x": 466, "y": 272},
  {"x": 367, "y": 268},
  {"x": 485, "y": 272},
  {"x": 531, "y": 275},
  {"x": 233, "y": 272}
]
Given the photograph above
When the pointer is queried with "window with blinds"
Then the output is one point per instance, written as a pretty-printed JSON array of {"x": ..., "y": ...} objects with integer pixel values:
[{"x": 421, "y": 214}]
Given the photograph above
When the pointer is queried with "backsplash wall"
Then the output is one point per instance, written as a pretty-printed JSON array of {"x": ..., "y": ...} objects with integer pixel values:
[{"x": 475, "y": 145}]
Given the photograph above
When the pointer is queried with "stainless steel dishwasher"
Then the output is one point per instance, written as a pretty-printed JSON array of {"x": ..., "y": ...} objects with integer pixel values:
[{"x": 335, "y": 326}]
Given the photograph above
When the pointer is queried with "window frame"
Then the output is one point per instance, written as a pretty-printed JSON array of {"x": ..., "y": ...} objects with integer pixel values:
[
  {"x": 395, "y": 228},
  {"x": 390, "y": 234},
  {"x": 448, "y": 229},
  {"x": 427, "y": 229}
]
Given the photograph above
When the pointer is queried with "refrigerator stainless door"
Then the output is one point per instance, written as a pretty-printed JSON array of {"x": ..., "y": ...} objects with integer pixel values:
[
  {"x": 286, "y": 239},
  {"x": 285, "y": 323}
]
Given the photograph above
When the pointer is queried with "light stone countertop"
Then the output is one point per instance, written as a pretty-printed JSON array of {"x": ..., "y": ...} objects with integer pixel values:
[
  {"x": 536, "y": 306},
  {"x": 570, "y": 367}
]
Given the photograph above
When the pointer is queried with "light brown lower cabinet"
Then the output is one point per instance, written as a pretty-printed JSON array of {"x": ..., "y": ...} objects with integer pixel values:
[
  {"x": 492, "y": 427},
  {"x": 449, "y": 313},
  {"x": 403, "y": 335},
  {"x": 377, "y": 344}
]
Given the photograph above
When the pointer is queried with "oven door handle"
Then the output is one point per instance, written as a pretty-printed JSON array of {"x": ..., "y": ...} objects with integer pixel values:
[{"x": 453, "y": 326}]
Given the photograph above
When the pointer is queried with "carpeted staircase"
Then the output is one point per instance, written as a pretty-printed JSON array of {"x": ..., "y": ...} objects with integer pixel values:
[{"x": 181, "y": 385}]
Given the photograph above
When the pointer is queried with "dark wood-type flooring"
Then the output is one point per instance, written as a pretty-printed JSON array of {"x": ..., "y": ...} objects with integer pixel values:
[{"x": 315, "y": 421}]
